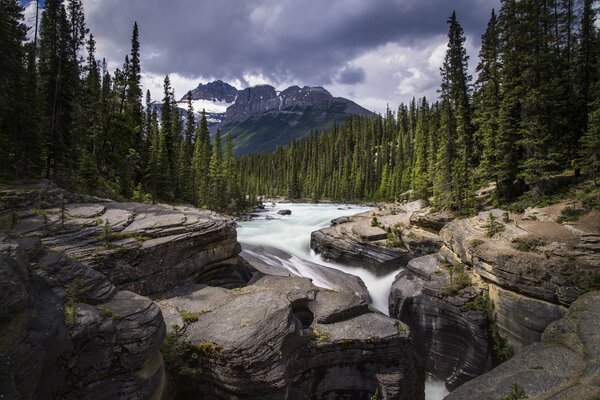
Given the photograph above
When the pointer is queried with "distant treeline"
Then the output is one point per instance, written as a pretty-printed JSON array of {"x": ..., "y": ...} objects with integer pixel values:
[{"x": 533, "y": 112}]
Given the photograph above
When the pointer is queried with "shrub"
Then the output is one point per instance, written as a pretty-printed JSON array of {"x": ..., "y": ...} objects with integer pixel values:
[
  {"x": 527, "y": 244},
  {"x": 516, "y": 393},
  {"x": 458, "y": 279},
  {"x": 493, "y": 227}
]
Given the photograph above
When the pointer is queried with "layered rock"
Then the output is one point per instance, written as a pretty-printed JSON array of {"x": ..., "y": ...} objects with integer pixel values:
[
  {"x": 272, "y": 261},
  {"x": 533, "y": 269},
  {"x": 68, "y": 333},
  {"x": 563, "y": 366},
  {"x": 382, "y": 239},
  {"x": 446, "y": 316},
  {"x": 144, "y": 248},
  {"x": 283, "y": 337}
]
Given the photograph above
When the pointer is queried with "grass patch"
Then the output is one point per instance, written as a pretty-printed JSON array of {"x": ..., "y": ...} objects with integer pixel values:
[
  {"x": 191, "y": 317},
  {"x": 570, "y": 214}
]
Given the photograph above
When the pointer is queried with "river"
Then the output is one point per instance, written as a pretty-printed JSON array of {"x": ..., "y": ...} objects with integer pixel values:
[{"x": 291, "y": 234}]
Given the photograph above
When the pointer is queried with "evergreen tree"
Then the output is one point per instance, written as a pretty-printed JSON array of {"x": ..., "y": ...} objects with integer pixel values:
[
  {"x": 15, "y": 152},
  {"x": 487, "y": 100},
  {"x": 201, "y": 161},
  {"x": 215, "y": 174}
]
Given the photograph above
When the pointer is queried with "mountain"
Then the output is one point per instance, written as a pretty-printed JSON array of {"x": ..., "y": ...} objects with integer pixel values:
[
  {"x": 213, "y": 98},
  {"x": 259, "y": 118}
]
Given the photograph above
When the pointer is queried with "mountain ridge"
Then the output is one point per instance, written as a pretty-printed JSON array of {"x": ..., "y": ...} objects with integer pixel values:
[{"x": 260, "y": 118}]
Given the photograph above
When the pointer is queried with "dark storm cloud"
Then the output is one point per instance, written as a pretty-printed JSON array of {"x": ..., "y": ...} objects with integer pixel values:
[
  {"x": 351, "y": 75},
  {"x": 309, "y": 41}
]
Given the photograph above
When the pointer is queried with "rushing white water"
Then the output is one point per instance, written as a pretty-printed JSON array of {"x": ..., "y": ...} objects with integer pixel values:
[{"x": 291, "y": 234}]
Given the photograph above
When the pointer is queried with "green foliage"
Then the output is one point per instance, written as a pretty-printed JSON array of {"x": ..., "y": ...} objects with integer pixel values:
[
  {"x": 375, "y": 395},
  {"x": 182, "y": 359},
  {"x": 320, "y": 336},
  {"x": 527, "y": 244},
  {"x": 374, "y": 222},
  {"x": 493, "y": 227},
  {"x": 394, "y": 236},
  {"x": 191, "y": 317},
  {"x": 458, "y": 279},
  {"x": 590, "y": 281},
  {"x": 516, "y": 393},
  {"x": 569, "y": 214},
  {"x": 500, "y": 349}
]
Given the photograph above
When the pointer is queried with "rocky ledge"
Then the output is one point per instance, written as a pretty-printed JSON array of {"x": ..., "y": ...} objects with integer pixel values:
[
  {"x": 563, "y": 366},
  {"x": 383, "y": 239},
  {"x": 532, "y": 268},
  {"x": 497, "y": 282},
  {"x": 283, "y": 337},
  {"x": 67, "y": 332},
  {"x": 145, "y": 248}
]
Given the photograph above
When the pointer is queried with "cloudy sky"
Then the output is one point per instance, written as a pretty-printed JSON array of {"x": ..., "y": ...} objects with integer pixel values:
[{"x": 374, "y": 52}]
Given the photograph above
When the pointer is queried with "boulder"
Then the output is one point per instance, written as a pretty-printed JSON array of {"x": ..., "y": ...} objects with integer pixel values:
[
  {"x": 563, "y": 366},
  {"x": 284, "y": 212},
  {"x": 283, "y": 337},
  {"x": 433, "y": 221},
  {"x": 272, "y": 261}
]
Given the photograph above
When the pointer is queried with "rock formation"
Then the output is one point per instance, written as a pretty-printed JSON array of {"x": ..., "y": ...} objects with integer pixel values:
[
  {"x": 76, "y": 324},
  {"x": 563, "y": 366},
  {"x": 68, "y": 333},
  {"x": 446, "y": 317},
  {"x": 512, "y": 277},
  {"x": 381, "y": 239},
  {"x": 283, "y": 337}
]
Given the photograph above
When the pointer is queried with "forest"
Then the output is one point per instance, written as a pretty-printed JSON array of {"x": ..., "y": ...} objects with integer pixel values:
[
  {"x": 531, "y": 113},
  {"x": 65, "y": 117}
]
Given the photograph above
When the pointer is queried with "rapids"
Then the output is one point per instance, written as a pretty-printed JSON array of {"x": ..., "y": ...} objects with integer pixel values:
[{"x": 291, "y": 234}]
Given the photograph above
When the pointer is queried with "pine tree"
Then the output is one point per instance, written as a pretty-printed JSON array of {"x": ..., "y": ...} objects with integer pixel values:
[
  {"x": 420, "y": 179},
  {"x": 590, "y": 144},
  {"x": 14, "y": 150},
  {"x": 488, "y": 99},
  {"x": 201, "y": 161},
  {"x": 455, "y": 159},
  {"x": 215, "y": 174}
]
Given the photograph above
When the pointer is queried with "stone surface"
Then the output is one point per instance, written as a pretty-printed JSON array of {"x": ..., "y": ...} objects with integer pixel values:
[
  {"x": 563, "y": 366},
  {"x": 533, "y": 269},
  {"x": 272, "y": 261},
  {"x": 143, "y": 248},
  {"x": 283, "y": 337},
  {"x": 448, "y": 332},
  {"x": 433, "y": 221},
  {"x": 354, "y": 239},
  {"x": 68, "y": 333}
]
